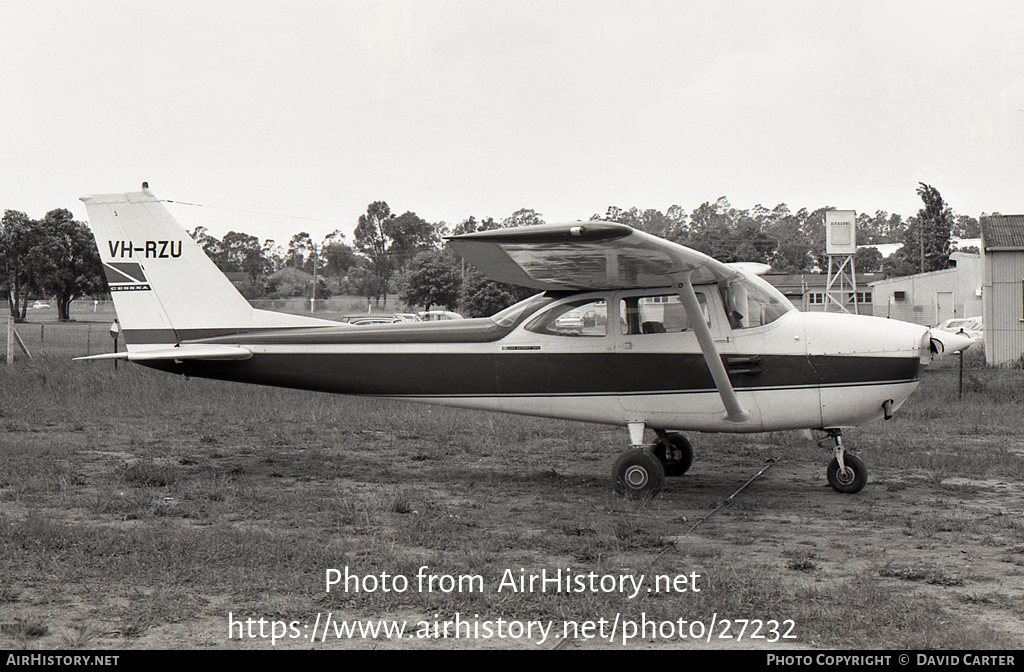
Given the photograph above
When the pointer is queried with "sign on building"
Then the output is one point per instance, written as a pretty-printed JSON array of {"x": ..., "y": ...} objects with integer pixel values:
[{"x": 840, "y": 232}]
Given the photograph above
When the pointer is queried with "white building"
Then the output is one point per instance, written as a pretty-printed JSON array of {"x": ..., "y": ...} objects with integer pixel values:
[{"x": 932, "y": 298}]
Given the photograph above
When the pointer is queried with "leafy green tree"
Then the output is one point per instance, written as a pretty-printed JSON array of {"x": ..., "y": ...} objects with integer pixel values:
[
  {"x": 372, "y": 239},
  {"x": 709, "y": 227},
  {"x": 390, "y": 241},
  {"x": 966, "y": 227},
  {"x": 482, "y": 297},
  {"x": 410, "y": 234},
  {"x": 337, "y": 256},
  {"x": 793, "y": 250},
  {"x": 272, "y": 252},
  {"x": 522, "y": 217},
  {"x": 433, "y": 278},
  {"x": 749, "y": 241},
  {"x": 211, "y": 245},
  {"x": 21, "y": 246},
  {"x": 868, "y": 260},
  {"x": 300, "y": 249},
  {"x": 360, "y": 280},
  {"x": 243, "y": 253},
  {"x": 927, "y": 238},
  {"x": 72, "y": 267},
  {"x": 471, "y": 225},
  {"x": 814, "y": 228},
  {"x": 56, "y": 255}
]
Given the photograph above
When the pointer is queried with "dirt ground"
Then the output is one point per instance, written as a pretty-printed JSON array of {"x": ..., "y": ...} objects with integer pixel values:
[{"x": 146, "y": 528}]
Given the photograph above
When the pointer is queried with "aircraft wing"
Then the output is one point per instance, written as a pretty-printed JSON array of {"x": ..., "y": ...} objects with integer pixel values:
[
  {"x": 584, "y": 256},
  {"x": 183, "y": 352}
]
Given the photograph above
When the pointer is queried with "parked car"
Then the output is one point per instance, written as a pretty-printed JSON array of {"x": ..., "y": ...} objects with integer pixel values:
[
  {"x": 364, "y": 319},
  {"x": 408, "y": 317},
  {"x": 570, "y": 322},
  {"x": 972, "y": 327},
  {"x": 434, "y": 315},
  {"x": 40, "y": 304},
  {"x": 374, "y": 320}
]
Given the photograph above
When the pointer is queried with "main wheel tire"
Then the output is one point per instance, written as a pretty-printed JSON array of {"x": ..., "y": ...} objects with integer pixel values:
[
  {"x": 850, "y": 481},
  {"x": 638, "y": 475},
  {"x": 675, "y": 454}
]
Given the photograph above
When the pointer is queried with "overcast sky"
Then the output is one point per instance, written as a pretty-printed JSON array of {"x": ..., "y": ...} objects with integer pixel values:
[{"x": 452, "y": 108}]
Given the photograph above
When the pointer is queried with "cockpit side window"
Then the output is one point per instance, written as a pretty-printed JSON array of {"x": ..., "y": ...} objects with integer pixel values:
[
  {"x": 584, "y": 317},
  {"x": 660, "y": 314}
]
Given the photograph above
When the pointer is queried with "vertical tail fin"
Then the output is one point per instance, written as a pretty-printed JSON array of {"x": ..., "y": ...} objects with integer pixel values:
[{"x": 165, "y": 289}]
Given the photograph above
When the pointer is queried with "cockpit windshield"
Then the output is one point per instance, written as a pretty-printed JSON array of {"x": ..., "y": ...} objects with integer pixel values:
[{"x": 752, "y": 302}]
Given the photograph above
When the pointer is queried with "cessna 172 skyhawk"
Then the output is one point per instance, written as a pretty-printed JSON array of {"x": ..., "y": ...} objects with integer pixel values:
[{"x": 628, "y": 330}]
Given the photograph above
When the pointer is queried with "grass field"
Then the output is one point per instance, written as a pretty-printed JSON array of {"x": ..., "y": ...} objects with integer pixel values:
[{"x": 138, "y": 509}]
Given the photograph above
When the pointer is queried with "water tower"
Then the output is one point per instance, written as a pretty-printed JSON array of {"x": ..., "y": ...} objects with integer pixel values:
[{"x": 841, "y": 247}]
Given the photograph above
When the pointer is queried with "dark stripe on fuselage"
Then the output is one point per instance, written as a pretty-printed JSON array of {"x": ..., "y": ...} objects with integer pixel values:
[{"x": 540, "y": 374}]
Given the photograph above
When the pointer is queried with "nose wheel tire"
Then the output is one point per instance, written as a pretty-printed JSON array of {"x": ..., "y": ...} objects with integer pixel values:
[
  {"x": 850, "y": 480},
  {"x": 675, "y": 454},
  {"x": 638, "y": 475}
]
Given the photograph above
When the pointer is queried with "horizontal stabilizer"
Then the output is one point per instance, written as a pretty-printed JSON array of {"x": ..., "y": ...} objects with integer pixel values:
[{"x": 203, "y": 352}]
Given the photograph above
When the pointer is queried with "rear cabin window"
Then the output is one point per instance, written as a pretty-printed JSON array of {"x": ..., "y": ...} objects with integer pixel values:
[{"x": 583, "y": 318}]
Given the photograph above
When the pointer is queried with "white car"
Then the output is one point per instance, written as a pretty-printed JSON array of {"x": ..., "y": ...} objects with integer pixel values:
[
  {"x": 40, "y": 304},
  {"x": 570, "y": 322},
  {"x": 372, "y": 320},
  {"x": 408, "y": 317},
  {"x": 972, "y": 327},
  {"x": 435, "y": 315}
]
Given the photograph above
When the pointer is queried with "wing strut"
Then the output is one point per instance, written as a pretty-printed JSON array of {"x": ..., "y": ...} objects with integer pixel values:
[{"x": 734, "y": 412}]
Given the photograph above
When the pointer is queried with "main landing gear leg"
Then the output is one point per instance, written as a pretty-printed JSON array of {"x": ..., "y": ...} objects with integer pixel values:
[
  {"x": 637, "y": 473},
  {"x": 846, "y": 473}
]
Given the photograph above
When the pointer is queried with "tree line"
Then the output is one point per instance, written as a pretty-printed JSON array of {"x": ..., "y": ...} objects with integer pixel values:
[
  {"x": 404, "y": 255},
  {"x": 790, "y": 242}
]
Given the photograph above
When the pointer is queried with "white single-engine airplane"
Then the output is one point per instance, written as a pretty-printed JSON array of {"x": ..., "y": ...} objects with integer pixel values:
[{"x": 628, "y": 330}]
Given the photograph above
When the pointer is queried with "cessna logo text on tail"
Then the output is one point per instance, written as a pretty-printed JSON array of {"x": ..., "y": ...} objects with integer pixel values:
[
  {"x": 125, "y": 277},
  {"x": 627, "y": 329},
  {"x": 152, "y": 249}
]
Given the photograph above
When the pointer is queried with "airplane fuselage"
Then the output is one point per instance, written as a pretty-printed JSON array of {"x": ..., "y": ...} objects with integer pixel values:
[{"x": 801, "y": 370}]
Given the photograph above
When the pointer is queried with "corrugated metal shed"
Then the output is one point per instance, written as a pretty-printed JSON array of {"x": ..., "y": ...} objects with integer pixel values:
[
  {"x": 1003, "y": 232},
  {"x": 1003, "y": 242}
]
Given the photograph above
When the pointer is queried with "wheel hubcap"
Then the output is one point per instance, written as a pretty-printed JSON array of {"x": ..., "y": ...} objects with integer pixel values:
[
  {"x": 636, "y": 477},
  {"x": 846, "y": 476}
]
